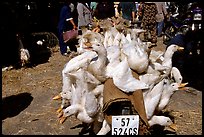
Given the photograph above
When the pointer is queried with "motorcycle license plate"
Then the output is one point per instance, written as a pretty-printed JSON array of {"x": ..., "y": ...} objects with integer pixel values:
[
  {"x": 125, "y": 125},
  {"x": 197, "y": 16}
]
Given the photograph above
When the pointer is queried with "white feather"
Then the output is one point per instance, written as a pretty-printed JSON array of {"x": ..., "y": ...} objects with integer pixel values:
[
  {"x": 124, "y": 80},
  {"x": 160, "y": 120}
]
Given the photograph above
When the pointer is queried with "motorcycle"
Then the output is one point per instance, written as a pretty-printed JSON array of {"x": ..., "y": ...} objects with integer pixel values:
[
  {"x": 180, "y": 23},
  {"x": 197, "y": 18},
  {"x": 175, "y": 25},
  {"x": 192, "y": 31},
  {"x": 124, "y": 113},
  {"x": 191, "y": 60}
]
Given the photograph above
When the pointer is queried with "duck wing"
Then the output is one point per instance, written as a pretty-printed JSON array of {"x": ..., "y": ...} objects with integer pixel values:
[
  {"x": 80, "y": 61},
  {"x": 91, "y": 104},
  {"x": 124, "y": 80},
  {"x": 152, "y": 98}
]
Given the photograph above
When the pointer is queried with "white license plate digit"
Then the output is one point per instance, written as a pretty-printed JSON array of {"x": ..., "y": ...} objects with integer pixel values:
[{"x": 125, "y": 125}]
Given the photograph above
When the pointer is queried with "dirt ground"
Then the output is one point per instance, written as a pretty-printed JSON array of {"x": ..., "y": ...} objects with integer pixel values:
[{"x": 28, "y": 107}]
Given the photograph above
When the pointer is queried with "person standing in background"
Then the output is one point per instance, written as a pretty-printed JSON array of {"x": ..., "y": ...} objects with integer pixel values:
[
  {"x": 149, "y": 21},
  {"x": 105, "y": 10},
  {"x": 66, "y": 22},
  {"x": 160, "y": 16},
  {"x": 74, "y": 11},
  {"x": 128, "y": 10},
  {"x": 140, "y": 11},
  {"x": 72, "y": 43},
  {"x": 84, "y": 15},
  {"x": 93, "y": 6}
]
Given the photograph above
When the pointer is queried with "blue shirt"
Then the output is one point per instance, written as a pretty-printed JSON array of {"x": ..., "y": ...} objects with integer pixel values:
[
  {"x": 127, "y": 9},
  {"x": 65, "y": 14}
]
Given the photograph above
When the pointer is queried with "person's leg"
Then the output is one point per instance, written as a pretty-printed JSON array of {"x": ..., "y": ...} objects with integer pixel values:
[
  {"x": 153, "y": 23},
  {"x": 63, "y": 46},
  {"x": 153, "y": 31},
  {"x": 160, "y": 28},
  {"x": 146, "y": 38},
  {"x": 145, "y": 21}
]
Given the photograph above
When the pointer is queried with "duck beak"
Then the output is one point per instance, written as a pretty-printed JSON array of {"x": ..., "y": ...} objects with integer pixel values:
[
  {"x": 88, "y": 45},
  {"x": 59, "y": 110},
  {"x": 57, "y": 97},
  {"x": 180, "y": 48},
  {"x": 62, "y": 119},
  {"x": 60, "y": 114},
  {"x": 182, "y": 86},
  {"x": 174, "y": 127}
]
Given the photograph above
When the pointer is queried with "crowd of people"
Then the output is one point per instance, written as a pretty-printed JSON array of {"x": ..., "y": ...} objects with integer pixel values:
[{"x": 79, "y": 15}]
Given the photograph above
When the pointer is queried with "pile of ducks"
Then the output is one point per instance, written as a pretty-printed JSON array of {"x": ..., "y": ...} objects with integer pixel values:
[{"x": 114, "y": 53}]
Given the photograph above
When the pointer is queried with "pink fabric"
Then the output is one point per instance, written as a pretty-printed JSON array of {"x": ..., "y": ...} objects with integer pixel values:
[{"x": 70, "y": 35}]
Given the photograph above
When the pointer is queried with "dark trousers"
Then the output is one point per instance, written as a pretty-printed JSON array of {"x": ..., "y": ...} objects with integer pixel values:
[{"x": 63, "y": 46}]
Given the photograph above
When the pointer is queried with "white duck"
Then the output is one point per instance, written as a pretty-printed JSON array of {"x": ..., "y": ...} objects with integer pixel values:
[
  {"x": 122, "y": 42},
  {"x": 76, "y": 63},
  {"x": 104, "y": 129},
  {"x": 66, "y": 94},
  {"x": 124, "y": 80},
  {"x": 150, "y": 80},
  {"x": 83, "y": 61},
  {"x": 168, "y": 91},
  {"x": 24, "y": 53},
  {"x": 75, "y": 106},
  {"x": 113, "y": 55},
  {"x": 151, "y": 99},
  {"x": 159, "y": 67},
  {"x": 83, "y": 103},
  {"x": 89, "y": 37},
  {"x": 24, "y": 56},
  {"x": 90, "y": 110},
  {"x": 155, "y": 55},
  {"x": 167, "y": 62},
  {"x": 175, "y": 74},
  {"x": 111, "y": 35},
  {"x": 137, "y": 32},
  {"x": 160, "y": 120},
  {"x": 137, "y": 56},
  {"x": 98, "y": 92},
  {"x": 91, "y": 104},
  {"x": 165, "y": 65},
  {"x": 106, "y": 37},
  {"x": 98, "y": 67},
  {"x": 80, "y": 61},
  {"x": 86, "y": 101},
  {"x": 151, "y": 70},
  {"x": 128, "y": 37},
  {"x": 117, "y": 39}
]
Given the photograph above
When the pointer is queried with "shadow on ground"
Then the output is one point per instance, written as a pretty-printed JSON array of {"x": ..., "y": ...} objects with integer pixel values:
[{"x": 13, "y": 105}]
